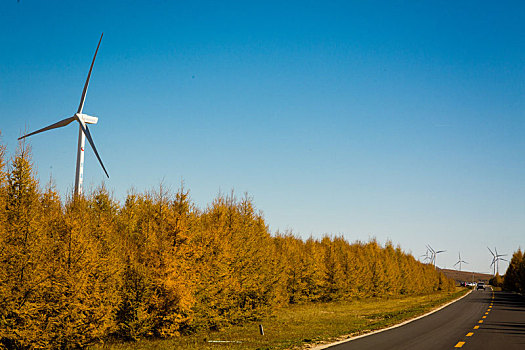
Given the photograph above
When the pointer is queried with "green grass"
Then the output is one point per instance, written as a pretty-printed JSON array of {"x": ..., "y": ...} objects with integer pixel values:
[{"x": 297, "y": 325}]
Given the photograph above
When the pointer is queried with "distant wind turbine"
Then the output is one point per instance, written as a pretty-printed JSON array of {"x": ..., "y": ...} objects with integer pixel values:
[
  {"x": 460, "y": 261},
  {"x": 495, "y": 259},
  {"x": 83, "y": 120},
  {"x": 434, "y": 253},
  {"x": 426, "y": 256}
]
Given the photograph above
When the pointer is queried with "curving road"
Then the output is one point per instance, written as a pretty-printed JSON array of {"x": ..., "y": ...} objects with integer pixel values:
[{"x": 481, "y": 320}]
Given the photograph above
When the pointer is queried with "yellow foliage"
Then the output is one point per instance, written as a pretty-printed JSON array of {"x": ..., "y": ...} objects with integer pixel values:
[{"x": 74, "y": 274}]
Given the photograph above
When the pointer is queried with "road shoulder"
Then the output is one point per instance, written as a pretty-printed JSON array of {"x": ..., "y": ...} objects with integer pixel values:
[{"x": 351, "y": 338}]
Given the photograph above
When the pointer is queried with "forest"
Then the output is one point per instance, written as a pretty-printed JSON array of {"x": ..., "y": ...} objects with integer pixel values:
[{"x": 86, "y": 269}]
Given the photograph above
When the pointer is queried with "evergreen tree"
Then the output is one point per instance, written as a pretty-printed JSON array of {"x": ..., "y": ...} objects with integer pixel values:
[
  {"x": 513, "y": 276},
  {"x": 496, "y": 281},
  {"x": 333, "y": 284},
  {"x": 23, "y": 270}
]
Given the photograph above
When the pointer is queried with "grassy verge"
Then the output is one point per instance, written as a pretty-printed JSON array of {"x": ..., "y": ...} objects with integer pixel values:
[{"x": 296, "y": 326}]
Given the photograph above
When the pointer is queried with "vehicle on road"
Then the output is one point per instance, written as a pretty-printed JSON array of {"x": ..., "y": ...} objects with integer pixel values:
[{"x": 481, "y": 285}]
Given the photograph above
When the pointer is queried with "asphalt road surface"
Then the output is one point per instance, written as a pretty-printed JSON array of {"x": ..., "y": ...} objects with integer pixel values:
[{"x": 481, "y": 320}]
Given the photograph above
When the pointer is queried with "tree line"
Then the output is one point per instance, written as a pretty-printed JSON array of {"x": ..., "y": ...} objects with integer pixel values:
[
  {"x": 514, "y": 279},
  {"x": 83, "y": 270}
]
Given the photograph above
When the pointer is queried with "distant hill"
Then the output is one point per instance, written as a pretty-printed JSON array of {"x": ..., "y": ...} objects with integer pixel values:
[{"x": 468, "y": 276}]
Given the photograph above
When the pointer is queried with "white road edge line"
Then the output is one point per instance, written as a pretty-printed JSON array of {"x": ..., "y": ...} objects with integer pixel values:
[{"x": 326, "y": 346}]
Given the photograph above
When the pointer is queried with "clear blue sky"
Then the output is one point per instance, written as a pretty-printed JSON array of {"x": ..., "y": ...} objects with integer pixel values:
[{"x": 390, "y": 119}]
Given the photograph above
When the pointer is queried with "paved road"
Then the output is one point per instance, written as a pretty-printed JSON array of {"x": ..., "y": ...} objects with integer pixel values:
[{"x": 458, "y": 326}]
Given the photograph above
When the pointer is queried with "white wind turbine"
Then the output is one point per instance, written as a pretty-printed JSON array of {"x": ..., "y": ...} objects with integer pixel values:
[
  {"x": 495, "y": 260},
  {"x": 460, "y": 261},
  {"x": 83, "y": 131},
  {"x": 434, "y": 253}
]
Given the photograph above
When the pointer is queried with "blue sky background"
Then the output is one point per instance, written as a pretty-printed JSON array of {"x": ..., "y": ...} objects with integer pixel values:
[{"x": 390, "y": 119}]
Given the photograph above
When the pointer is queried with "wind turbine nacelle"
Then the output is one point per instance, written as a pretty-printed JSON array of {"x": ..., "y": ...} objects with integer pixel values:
[{"x": 88, "y": 119}]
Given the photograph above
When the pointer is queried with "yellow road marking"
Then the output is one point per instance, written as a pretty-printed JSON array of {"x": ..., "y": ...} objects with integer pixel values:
[
  {"x": 484, "y": 317},
  {"x": 469, "y": 334},
  {"x": 476, "y": 327},
  {"x": 486, "y": 313},
  {"x": 459, "y": 344},
  {"x": 480, "y": 321}
]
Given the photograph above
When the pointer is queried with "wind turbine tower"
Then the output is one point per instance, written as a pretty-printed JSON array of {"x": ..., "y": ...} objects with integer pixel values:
[
  {"x": 460, "y": 261},
  {"x": 83, "y": 131}
]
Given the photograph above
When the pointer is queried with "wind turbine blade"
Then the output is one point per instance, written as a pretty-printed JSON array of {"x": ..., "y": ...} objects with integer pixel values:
[
  {"x": 456, "y": 263},
  {"x": 52, "y": 126},
  {"x": 85, "y": 129},
  {"x": 504, "y": 259},
  {"x": 440, "y": 251},
  {"x": 490, "y": 251},
  {"x": 83, "y": 98}
]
